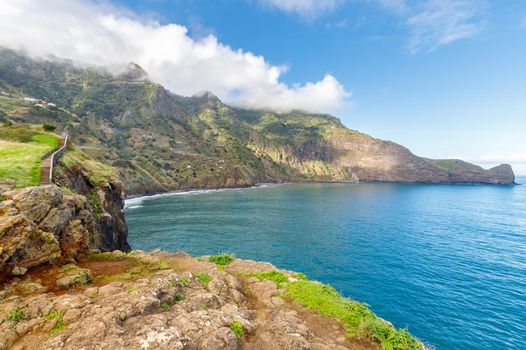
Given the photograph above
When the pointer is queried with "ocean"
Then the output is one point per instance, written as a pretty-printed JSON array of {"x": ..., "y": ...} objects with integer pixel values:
[{"x": 446, "y": 261}]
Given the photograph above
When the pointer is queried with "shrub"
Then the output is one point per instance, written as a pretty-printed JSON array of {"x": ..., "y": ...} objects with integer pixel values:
[
  {"x": 301, "y": 276},
  {"x": 165, "y": 306},
  {"x": 16, "y": 315},
  {"x": 204, "y": 278},
  {"x": 274, "y": 276},
  {"x": 184, "y": 281},
  {"x": 222, "y": 259},
  {"x": 82, "y": 279},
  {"x": 57, "y": 316},
  {"x": 237, "y": 328},
  {"x": 54, "y": 315},
  {"x": 48, "y": 127}
]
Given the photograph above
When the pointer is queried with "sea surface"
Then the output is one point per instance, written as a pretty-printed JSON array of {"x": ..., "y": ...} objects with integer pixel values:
[{"x": 446, "y": 261}]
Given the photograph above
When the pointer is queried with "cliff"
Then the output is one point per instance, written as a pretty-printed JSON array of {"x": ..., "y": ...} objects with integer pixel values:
[
  {"x": 159, "y": 141},
  {"x": 100, "y": 185}
]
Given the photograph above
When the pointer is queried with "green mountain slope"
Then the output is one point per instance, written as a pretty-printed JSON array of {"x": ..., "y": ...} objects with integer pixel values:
[{"x": 160, "y": 141}]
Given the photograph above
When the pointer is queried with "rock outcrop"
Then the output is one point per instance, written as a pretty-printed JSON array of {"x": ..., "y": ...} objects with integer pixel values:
[
  {"x": 107, "y": 201},
  {"x": 40, "y": 225}
]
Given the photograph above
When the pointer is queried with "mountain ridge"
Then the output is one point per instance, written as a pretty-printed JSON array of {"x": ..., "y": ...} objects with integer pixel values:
[{"x": 160, "y": 141}]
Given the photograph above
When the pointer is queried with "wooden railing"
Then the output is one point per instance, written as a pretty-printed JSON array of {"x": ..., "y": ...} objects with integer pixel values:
[{"x": 56, "y": 155}]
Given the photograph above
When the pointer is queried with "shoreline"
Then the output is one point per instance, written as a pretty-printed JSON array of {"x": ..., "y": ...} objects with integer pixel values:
[
  {"x": 134, "y": 201},
  {"x": 142, "y": 197}
]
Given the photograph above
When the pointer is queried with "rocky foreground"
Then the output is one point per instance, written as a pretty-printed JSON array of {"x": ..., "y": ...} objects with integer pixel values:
[{"x": 160, "y": 301}]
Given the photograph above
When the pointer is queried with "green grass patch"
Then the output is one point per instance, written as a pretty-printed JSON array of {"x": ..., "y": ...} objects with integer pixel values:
[
  {"x": 204, "y": 278},
  {"x": 170, "y": 284},
  {"x": 57, "y": 316},
  {"x": 49, "y": 140},
  {"x": 359, "y": 321},
  {"x": 166, "y": 306},
  {"x": 222, "y": 259},
  {"x": 179, "y": 297},
  {"x": 99, "y": 173},
  {"x": 301, "y": 276},
  {"x": 16, "y": 315},
  {"x": 237, "y": 328},
  {"x": 58, "y": 327},
  {"x": 21, "y": 159},
  {"x": 184, "y": 281},
  {"x": 54, "y": 315},
  {"x": 274, "y": 276},
  {"x": 82, "y": 279}
]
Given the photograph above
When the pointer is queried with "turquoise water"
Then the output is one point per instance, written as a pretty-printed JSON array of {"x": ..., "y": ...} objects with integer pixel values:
[{"x": 448, "y": 261}]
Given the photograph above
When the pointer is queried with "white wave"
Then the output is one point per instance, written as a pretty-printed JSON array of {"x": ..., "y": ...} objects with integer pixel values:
[{"x": 136, "y": 202}]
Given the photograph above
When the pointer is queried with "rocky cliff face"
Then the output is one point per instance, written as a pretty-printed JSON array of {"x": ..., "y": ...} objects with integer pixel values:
[{"x": 107, "y": 202}]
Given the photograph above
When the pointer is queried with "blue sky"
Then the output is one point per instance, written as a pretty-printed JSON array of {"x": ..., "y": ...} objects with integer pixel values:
[{"x": 446, "y": 78}]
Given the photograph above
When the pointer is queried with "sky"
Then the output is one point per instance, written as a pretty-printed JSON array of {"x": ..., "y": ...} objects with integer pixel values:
[{"x": 445, "y": 78}]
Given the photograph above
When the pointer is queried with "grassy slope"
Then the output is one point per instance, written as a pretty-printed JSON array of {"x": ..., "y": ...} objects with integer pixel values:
[
  {"x": 20, "y": 152},
  {"x": 456, "y": 166}
]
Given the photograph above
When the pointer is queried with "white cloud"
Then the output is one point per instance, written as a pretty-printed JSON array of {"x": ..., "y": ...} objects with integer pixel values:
[
  {"x": 441, "y": 22},
  {"x": 308, "y": 9},
  {"x": 105, "y": 35}
]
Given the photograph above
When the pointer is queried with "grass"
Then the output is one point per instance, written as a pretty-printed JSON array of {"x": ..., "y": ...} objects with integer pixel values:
[
  {"x": 184, "y": 281},
  {"x": 274, "y": 276},
  {"x": 301, "y": 276},
  {"x": 16, "y": 315},
  {"x": 54, "y": 315},
  {"x": 166, "y": 306},
  {"x": 222, "y": 259},
  {"x": 204, "y": 278},
  {"x": 360, "y": 322},
  {"x": 21, "y": 155},
  {"x": 237, "y": 328},
  {"x": 99, "y": 173},
  {"x": 82, "y": 279},
  {"x": 57, "y": 316}
]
